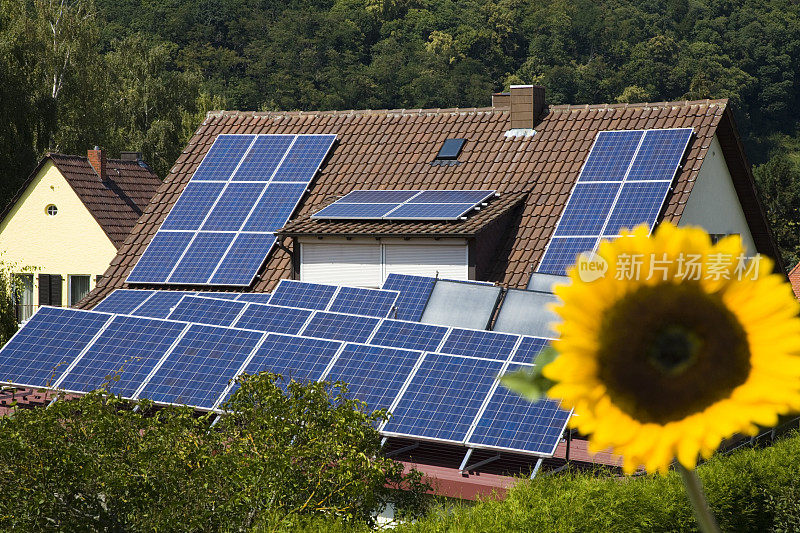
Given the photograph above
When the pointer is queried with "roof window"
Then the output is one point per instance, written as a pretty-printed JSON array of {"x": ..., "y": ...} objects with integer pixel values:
[{"x": 449, "y": 152}]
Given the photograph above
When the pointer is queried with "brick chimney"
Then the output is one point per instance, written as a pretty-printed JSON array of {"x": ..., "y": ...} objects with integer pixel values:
[
  {"x": 98, "y": 161},
  {"x": 527, "y": 106}
]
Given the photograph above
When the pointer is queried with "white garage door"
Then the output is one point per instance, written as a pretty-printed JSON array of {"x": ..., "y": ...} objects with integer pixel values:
[
  {"x": 448, "y": 261},
  {"x": 357, "y": 265}
]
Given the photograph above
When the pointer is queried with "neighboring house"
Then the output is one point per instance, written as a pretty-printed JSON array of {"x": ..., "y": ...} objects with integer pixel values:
[
  {"x": 794, "y": 279},
  {"x": 67, "y": 222}
]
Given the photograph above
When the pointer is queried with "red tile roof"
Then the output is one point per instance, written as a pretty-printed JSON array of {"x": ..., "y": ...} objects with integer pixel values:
[
  {"x": 393, "y": 150},
  {"x": 116, "y": 202}
]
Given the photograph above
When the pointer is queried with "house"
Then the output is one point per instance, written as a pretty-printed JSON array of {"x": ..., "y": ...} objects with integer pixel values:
[
  {"x": 531, "y": 153},
  {"x": 67, "y": 222},
  {"x": 794, "y": 279}
]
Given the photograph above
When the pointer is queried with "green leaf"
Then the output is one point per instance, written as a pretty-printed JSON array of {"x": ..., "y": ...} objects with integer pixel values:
[{"x": 531, "y": 383}]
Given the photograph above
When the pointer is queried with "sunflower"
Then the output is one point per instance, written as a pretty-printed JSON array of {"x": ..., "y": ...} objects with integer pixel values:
[{"x": 679, "y": 345}]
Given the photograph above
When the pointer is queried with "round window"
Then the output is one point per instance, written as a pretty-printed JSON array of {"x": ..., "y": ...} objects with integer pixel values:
[{"x": 51, "y": 210}]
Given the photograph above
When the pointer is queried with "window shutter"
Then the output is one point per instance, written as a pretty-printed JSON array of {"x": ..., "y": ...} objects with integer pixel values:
[
  {"x": 44, "y": 289},
  {"x": 447, "y": 260},
  {"x": 357, "y": 265},
  {"x": 55, "y": 289}
]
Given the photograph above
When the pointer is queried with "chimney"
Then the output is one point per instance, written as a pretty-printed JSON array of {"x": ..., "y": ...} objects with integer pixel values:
[
  {"x": 501, "y": 100},
  {"x": 527, "y": 106},
  {"x": 98, "y": 161},
  {"x": 130, "y": 156}
]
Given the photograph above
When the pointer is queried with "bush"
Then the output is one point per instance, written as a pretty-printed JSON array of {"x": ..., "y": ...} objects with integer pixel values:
[
  {"x": 278, "y": 460},
  {"x": 749, "y": 490}
]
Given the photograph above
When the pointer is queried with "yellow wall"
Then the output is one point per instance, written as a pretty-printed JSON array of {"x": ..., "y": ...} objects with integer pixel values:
[{"x": 71, "y": 242}]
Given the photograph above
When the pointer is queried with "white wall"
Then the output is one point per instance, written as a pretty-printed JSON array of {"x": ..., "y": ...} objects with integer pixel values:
[{"x": 713, "y": 204}]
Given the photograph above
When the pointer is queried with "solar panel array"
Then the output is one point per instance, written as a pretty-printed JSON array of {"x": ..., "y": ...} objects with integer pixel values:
[
  {"x": 623, "y": 183},
  {"x": 220, "y": 230},
  {"x": 388, "y": 363},
  {"x": 404, "y": 205}
]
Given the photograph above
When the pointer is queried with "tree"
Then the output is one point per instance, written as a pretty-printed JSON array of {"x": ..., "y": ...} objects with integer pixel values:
[{"x": 778, "y": 182}]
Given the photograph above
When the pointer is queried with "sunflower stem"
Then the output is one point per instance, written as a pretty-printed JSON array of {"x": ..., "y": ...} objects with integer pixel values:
[{"x": 694, "y": 489}]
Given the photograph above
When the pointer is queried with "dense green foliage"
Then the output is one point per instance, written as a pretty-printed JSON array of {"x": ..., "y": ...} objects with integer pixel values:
[
  {"x": 140, "y": 74},
  {"x": 750, "y": 490},
  {"x": 277, "y": 461}
]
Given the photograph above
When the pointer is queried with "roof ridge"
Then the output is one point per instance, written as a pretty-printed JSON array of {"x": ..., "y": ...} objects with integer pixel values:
[{"x": 666, "y": 103}]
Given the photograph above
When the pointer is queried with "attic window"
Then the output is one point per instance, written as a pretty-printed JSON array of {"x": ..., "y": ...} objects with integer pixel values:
[
  {"x": 449, "y": 152},
  {"x": 51, "y": 210}
]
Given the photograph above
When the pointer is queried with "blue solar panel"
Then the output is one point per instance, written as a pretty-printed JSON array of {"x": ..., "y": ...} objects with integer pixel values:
[
  {"x": 160, "y": 304},
  {"x": 511, "y": 421},
  {"x": 361, "y": 210},
  {"x": 233, "y": 207},
  {"x": 123, "y": 355},
  {"x": 201, "y": 258},
  {"x": 611, "y": 156},
  {"x": 193, "y": 205},
  {"x": 263, "y": 158},
  {"x": 444, "y": 397},
  {"x": 660, "y": 154},
  {"x": 122, "y": 301},
  {"x": 378, "y": 197},
  {"x": 639, "y": 202},
  {"x": 223, "y": 157},
  {"x": 207, "y": 311},
  {"x": 158, "y": 259},
  {"x": 302, "y": 294},
  {"x": 350, "y": 328},
  {"x": 451, "y": 197},
  {"x": 275, "y": 207},
  {"x": 255, "y": 297},
  {"x": 414, "y": 294},
  {"x": 587, "y": 209},
  {"x": 528, "y": 349},
  {"x": 369, "y": 302},
  {"x": 561, "y": 253},
  {"x": 240, "y": 264},
  {"x": 304, "y": 158},
  {"x": 273, "y": 318},
  {"x": 409, "y": 335},
  {"x": 297, "y": 358},
  {"x": 48, "y": 343},
  {"x": 374, "y": 374},
  {"x": 199, "y": 368},
  {"x": 220, "y": 295},
  {"x": 478, "y": 343},
  {"x": 429, "y": 211}
]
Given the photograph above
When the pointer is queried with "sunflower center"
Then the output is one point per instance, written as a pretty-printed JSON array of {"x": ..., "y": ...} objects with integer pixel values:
[{"x": 670, "y": 350}]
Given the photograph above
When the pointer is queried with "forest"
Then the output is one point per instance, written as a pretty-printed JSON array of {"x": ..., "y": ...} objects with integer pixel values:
[{"x": 141, "y": 74}]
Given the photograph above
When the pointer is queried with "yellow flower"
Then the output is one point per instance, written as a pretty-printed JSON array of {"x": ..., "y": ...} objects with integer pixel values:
[{"x": 667, "y": 361}]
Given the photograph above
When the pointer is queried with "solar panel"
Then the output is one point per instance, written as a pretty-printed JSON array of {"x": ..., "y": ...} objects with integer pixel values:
[
  {"x": 526, "y": 313},
  {"x": 512, "y": 422},
  {"x": 528, "y": 349},
  {"x": 369, "y": 302},
  {"x": 409, "y": 335},
  {"x": 302, "y": 294},
  {"x": 256, "y": 183},
  {"x": 466, "y": 305},
  {"x": 539, "y": 281},
  {"x": 122, "y": 301},
  {"x": 233, "y": 206},
  {"x": 350, "y": 328},
  {"x": 414, "y": 293},
  {"x": 49, "y": 342},
  {"x": 193, "y": 206},
  {"x": 197, "y": 371},
  {"x": 374, "y": 374},
  {"x": 122, "y": 356},
  {"x": 220, "y": 295},
  {"x": 404, "y": 205},
  {"x": 207, "y": 311},
  {"x": 158, "y": 259},
  {"x": 623, "y": 183},
  {"x": 273, "y": 318},
  {"x": 201, "y": 257},
  {"x": 255, "y": 297},
  {"x": 479, "y": 343},
  {"x": 223, "y": 157},
  {"x": 263, "y": 158},
  {"x": 295, "y": 358},
  {"x": 443, "y": 398},
  {"x": 160, "y": 304}
]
